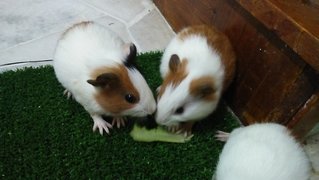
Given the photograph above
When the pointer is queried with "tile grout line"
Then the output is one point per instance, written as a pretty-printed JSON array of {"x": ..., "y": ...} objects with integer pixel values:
[
  {"x": 49, "y": 34},
  {"x": 118, "y": 19},
  {"x": 135, "y": 20},
  {"x": 24, "y": 65},
  {"x": 29, "y": 41},
  {"x": 148, "y": 7},
  {"x": 168, "y": 25},
  {"x": 103, "y": 12},
  {"x": 140, "y": 16}
]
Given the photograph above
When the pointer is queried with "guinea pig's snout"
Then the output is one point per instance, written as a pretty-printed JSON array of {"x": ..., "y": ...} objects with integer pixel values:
[
  {"x": 160, "y": 119},
  {"x": 152, "y": 109},
  {"x": 149, "y": 108}
]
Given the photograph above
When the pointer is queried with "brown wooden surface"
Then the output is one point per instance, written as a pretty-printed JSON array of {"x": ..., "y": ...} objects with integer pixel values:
[
  {"x": 306, "y": 118},
  {"x": 296, "y": 22},
  {"x": 272, "y": 81}
]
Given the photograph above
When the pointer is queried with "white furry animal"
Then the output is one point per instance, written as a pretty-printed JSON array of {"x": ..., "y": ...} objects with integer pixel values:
[
  {"x": 197, "y": 66},
  {"x": 97, "y": 69},
  {"x": 262, "y": 152}
]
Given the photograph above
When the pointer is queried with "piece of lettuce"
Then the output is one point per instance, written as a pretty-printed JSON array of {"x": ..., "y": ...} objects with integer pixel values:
[{"x": 157, "y": 134}]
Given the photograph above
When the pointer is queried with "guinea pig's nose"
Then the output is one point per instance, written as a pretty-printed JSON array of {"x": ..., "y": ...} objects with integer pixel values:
[{"x": 147, "y": 121}]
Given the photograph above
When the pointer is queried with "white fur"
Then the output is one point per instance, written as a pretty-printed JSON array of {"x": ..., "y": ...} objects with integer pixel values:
[
  {"x": 202, "y": 61},
  {"x": 82, "y": 50},
  {"x": 262, "y": 152}
]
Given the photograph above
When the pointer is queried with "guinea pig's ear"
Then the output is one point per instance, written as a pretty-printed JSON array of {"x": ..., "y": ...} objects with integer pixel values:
[
  {"x": 203, "y": 88},
  {"x": 130, "y": 51},
  {"x": 174, "y": 63},
  {"x": 105, "y": 80}
]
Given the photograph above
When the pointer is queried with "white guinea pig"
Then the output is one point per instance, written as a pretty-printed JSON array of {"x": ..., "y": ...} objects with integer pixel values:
[
  {"x": 196, "y": 67},
  {"x": 262, "y": 152},
  {"x": 97, "y": 68}
]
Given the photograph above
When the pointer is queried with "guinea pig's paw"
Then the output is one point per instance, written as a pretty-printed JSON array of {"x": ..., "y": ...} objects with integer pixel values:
[
  {"x": 222, "y": 136},
  {"x": 119, "y": 121},
  {"x": 173, "y": 128},
  {"x": 101, "y": 124},
  {"x": 67, "y": 93},
  {"x": 185, "y": 128},
  {"x": 184, "y": 132}
]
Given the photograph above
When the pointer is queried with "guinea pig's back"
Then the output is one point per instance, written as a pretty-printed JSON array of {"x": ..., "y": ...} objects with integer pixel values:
[
  {"x": 263, "y": 152},
  {"x": 220, "y": 44},
  {"x": 83, "y": 48},
  {"x": 88, "y": 44}
]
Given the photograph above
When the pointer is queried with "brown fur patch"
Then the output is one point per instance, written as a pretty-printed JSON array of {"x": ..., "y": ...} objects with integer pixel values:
[
  {"x": 83, "y": 24},
  {"x": 203, "y": 87},
  {"x": 113, "y": 99},
  {"x": 218, "y": 41},
  {"x": 174, "y": 78}
]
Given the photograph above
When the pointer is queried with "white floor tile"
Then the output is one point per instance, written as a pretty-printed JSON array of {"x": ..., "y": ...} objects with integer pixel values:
[
  {"x": 44, "y": 47},
  {"x": 38, "y": 49},
  {"x": 118, "y": 27},
  {"x": 31, "y": 28},
  {"x": 125, "y": 10},
  {"x": 22, "y": 21},
  {"x": 152, "y": 32}
]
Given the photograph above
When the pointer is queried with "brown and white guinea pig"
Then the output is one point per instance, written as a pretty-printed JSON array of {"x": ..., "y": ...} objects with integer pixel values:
[
  {"x": 97, "y": 68},
  {"x": 265, "y": 151},
  {"x": 196, "y": 67}
]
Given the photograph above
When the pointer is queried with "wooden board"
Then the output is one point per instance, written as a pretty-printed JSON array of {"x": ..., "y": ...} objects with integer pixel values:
[{"x": 296, "y": 22}]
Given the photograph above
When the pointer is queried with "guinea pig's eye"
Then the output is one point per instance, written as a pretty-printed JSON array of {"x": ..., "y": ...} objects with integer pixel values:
[
  {"x": 130, "y": 98},
  {"x": 179, "y": 110}
]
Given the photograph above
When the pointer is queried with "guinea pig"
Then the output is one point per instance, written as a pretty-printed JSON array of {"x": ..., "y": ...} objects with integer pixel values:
[
  {"x": 97, "y": 68},
  {"x": 197, "y": 66},
  {"x": 262, "y": 151}
]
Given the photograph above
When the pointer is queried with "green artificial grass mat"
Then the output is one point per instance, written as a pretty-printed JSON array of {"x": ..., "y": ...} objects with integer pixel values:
[{"x": 45, "y": 136}]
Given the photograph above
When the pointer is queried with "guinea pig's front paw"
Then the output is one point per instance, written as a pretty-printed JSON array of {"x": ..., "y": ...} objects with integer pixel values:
[
  {"x": 119, "y": 121},
  {"x": 173, "y": 128},
  {"x": 67, "y": 93},
  {"x": 182, "y": 128},
  {"x": 101, "y": 124},
  {"x": 222, "y": 136},
  {"x": 186, "y": 128}
]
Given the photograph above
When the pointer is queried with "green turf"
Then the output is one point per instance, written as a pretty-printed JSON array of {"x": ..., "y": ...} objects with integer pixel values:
[{"x": 45, "y": 136}]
